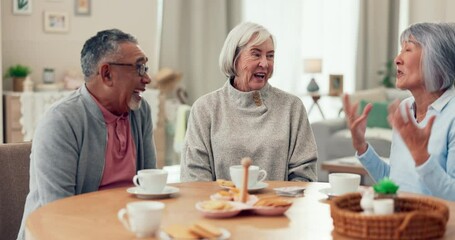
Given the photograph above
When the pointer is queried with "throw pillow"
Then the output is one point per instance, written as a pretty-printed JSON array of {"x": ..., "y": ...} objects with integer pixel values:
[{"x": 378, "y": 114}]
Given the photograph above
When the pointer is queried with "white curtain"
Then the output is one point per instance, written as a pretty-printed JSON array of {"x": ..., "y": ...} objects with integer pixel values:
[
  {"x": 193, "y": 34},
  {"x": 325, "y": 29},
  {"x": 377, "y": 38}
]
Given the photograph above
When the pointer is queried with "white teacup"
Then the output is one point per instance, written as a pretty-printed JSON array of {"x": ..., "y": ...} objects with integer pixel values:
[
  {"x": 341, "y": 183},
  {"x": 151, "y": 180},
  {"x": 142, "y": 218},
  {"x": 254, "y": 172},
  {"x": 383, "y": 206}
]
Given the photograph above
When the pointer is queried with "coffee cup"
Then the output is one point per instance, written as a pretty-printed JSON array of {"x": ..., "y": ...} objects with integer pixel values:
[
  {"x": 142, "y": 218},
  {"x": 383, "y": 206},
  {"x": 341, "y": 183},
  {"x": 151, "y": 180},
  {"x": 254, "y": 175}
]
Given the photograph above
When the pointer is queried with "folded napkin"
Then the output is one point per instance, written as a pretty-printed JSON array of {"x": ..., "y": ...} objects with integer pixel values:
[{"x": 290, "y": 191}]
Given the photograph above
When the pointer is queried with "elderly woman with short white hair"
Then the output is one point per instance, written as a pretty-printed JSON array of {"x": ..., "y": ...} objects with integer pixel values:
[{"x": 248, "y": 117}]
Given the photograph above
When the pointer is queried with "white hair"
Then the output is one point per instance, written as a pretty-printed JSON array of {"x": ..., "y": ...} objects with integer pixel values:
[
  {"x": 236, "y": 41},
  {"x": 438, "y": 52}
]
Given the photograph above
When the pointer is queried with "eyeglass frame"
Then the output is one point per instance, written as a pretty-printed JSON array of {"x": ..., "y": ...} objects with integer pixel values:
[{"x": 141, "y": 68}]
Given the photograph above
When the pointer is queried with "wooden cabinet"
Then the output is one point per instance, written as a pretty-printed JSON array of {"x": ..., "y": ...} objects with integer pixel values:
[
  {"x": 12, "y": 114},
  {"x": 22, "y": 111}
]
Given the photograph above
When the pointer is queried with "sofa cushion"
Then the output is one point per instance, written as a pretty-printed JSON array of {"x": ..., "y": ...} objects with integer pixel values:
[
  {"x": 378, "y": 114},
  {"x": 370, "y": 133},
  {"x": 374, "y": 95}
]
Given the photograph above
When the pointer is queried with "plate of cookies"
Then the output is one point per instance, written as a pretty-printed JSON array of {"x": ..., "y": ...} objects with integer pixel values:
[
  {"x": 198, "y": 230},
  {"x": 219, "y": 208},
  {"x": 225, "y": 183},
  {"x": 233, "y": 194},
  {"x": 271, "y": 206}
]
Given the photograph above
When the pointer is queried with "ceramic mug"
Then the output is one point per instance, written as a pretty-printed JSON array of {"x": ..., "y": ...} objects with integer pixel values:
[
  {"x": 341, "y": 183},
  {"x": 151, "y": 180},
  {"x": 254, "y": 175},
  {"x": 142, "y": 218}
]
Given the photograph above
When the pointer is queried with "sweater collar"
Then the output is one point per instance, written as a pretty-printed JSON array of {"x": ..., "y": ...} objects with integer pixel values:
[
  {"x": 254, "y": 98},
  {"x": 90, "y": 104}
]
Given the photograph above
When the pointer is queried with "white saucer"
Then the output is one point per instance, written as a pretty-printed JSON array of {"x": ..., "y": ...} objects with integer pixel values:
[
  {"x": 140, "y": 193},
  {"x": 258, "y": 186},
  {"x": 225, "y": 234}
]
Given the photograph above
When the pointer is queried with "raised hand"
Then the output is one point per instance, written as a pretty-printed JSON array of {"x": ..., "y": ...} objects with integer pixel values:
[
  {"x": 415, "y": 137},
  {"x": 357, "y": 124}
]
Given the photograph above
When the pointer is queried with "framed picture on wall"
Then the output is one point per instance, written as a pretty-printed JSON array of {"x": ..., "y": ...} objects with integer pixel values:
[
  {"x": 82, "y": 7},
  {"x": 57, "y": 22},
  {"x": 335, "y": 85},
  {"x": 22, "y": 7}
]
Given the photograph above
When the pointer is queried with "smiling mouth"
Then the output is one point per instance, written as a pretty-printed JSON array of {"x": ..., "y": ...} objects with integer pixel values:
[
  {"x": 259, "y": 75},
  {"x": 138, "y": 94}
]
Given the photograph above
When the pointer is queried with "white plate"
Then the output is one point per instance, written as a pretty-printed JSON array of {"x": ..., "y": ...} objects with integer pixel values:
[
  {"x": 225, "y": 234},
  {"x": 140, "y": 193},
  {"x": 259, "y": 186},
  {"x": 270, "y": 211},
  {"x": 237, "y": 207}
]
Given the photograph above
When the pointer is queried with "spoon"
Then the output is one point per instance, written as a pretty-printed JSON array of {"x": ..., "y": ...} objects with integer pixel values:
[{"x": 246, "y": 162}]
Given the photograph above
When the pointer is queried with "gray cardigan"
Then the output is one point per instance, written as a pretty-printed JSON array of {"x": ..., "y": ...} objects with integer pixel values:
[
  {"x": 269, "y": 125},
  {"x": 68, "y": 149}
]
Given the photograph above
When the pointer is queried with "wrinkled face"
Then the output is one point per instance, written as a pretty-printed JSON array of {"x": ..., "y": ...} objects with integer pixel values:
[
  {"x": 127, "y": 83},
  {"x": 254, "y": 66},
  {"x": 408, "y": 62}
]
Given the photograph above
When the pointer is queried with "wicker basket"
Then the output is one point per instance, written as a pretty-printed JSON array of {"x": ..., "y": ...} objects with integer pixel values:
[{"x": 414, "y": 218}]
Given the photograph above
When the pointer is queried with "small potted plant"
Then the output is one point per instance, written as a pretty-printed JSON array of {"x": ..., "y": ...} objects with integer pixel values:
[
  {"x": 385, "y": 188},
  {"x": 18, "y": 73}
]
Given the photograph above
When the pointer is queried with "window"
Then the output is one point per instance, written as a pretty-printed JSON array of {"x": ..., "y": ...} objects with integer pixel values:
[{"x": 324, "y": 29}]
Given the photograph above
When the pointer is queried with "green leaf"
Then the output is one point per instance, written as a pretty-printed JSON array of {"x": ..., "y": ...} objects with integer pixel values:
[
  {"x": 385, "y": 186},
  {"x": 17, "y": 71}
]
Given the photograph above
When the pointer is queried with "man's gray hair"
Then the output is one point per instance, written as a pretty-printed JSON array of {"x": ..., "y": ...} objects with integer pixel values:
[{"x": 103, "y": 44}]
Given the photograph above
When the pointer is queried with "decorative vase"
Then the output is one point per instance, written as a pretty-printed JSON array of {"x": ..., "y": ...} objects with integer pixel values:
[
  {"x": 18, "y": 84},
  {"x": 312, "y": 86},
  {"x": 28, "y": 84}
]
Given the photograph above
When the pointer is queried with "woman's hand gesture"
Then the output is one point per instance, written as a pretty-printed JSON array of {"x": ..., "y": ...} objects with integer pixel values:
[
  {"x": 415, "y": 138},
  {"x": 357, "y": 124}
]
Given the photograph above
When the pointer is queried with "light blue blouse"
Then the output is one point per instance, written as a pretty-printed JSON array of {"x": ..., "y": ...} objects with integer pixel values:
[{"x": 436, "y": 176}]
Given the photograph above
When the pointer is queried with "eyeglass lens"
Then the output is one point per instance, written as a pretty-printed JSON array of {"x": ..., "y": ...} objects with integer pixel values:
[{"x": 142, "y": 69}]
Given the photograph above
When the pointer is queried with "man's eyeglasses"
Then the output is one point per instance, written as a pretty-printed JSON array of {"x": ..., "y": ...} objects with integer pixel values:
[{"x": 140, "y": 68}]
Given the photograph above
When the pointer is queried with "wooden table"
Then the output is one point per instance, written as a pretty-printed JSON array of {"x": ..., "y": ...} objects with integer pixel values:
[{"x": 94, "y": 215}]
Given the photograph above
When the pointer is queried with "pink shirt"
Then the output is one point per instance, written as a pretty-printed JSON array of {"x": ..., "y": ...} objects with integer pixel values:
[{"x": 120, "y": 157}]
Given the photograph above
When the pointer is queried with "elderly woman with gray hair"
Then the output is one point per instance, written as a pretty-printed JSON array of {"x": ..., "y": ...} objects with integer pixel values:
[
  {"x": 422, "y": 156},
  {"x": 248, "y": 117}
]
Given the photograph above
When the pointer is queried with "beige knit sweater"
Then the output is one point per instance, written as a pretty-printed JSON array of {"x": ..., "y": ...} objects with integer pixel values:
[{"x": 269, "y": 125}]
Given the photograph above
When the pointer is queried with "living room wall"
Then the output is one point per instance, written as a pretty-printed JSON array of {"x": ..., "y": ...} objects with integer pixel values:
[{"x": 24, "y": 40}]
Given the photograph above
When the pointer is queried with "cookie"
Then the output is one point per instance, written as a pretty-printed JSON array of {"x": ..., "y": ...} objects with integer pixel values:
[
  {"x": 273, "y": 202},
  {"x": 225, "y": 183},
  {"x": 215, "y": 205},
  {"x": 205, "y": 230},
  {"x": 180, "y": 232}
]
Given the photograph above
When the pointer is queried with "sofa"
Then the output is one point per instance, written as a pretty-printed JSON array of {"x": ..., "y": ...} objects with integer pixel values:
[{"x": 333, "y": 138}]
